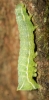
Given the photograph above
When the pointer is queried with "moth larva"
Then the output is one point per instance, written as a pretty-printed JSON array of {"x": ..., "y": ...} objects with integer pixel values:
[{"x": 26, "y": 65}]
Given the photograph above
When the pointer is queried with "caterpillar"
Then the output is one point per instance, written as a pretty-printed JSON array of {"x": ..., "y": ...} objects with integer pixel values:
[{"x": 27, "y": 69}]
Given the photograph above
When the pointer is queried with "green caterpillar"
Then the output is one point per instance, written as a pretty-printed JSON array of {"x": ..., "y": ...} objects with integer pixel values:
[{"x": 26, "y": 65}]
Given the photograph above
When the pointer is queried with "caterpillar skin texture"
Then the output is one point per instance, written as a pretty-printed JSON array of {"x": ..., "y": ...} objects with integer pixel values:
[{"x": 26, "y": 65}]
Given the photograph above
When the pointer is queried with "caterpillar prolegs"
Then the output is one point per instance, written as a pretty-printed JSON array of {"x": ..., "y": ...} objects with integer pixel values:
[{"x": 26, "y": 65}]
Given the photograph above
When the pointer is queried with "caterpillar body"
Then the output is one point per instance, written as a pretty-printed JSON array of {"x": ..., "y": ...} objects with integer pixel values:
[{"x": 26, "y": 65}]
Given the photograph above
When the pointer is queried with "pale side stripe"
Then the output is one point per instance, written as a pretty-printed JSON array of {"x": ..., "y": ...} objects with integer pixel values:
[
  {"x": 28, "y": 66},
  {"x": 27, "y": 75},
  {"x": 21, "y": 86},
  {"x": 22, "y": 14}
]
